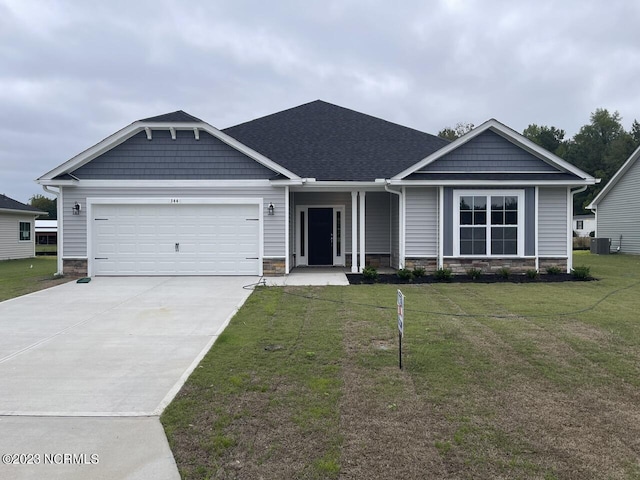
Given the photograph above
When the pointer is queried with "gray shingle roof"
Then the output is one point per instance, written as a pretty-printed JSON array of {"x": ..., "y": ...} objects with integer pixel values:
[
  {"x": 7, "y": 203},
  {"x": 179, "y": 116},
  {"x": 327, "y": 142}
]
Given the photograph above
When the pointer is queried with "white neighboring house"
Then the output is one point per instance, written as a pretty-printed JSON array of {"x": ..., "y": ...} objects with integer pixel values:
[
  {"x": 583, "y": 225},
  {"x": 617, "y": 207},
  {"x": 17, "y": 230}
]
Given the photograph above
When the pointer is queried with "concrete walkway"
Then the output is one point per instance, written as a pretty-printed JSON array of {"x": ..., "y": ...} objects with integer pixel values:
[
  {"x": 86, "y": 369},
  {"x": 310, "y": 276}
]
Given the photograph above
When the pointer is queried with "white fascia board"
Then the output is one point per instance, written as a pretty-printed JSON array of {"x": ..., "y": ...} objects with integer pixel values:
[
  {"x": 615, "y": 179},
  {"x": 57, "y": 183},
  {"x": 92, "y": 152},
  {"x": 508, "y": 134},
  {"x": 497, "y": 183},
  {"x": 339, "y": 187},
  {"x": 172, "y": 183},
  {"x": 124, "y": 134},
  {"x": 29, "y": 213}
]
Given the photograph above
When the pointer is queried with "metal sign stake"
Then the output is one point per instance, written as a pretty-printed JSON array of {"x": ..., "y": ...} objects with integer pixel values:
[{"x": 400, "y": 304}]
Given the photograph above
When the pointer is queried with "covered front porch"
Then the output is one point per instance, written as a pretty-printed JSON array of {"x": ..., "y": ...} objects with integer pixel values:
[{"x": 344, "y": 228}]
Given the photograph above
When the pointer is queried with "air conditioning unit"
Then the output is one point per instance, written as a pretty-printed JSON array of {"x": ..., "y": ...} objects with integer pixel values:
[{"x": 600, "y": 246}]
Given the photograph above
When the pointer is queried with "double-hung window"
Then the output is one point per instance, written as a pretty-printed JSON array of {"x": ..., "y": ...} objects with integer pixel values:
[
  {"x": 488, "y": 223},
  {"x": 25, "y": 231}
]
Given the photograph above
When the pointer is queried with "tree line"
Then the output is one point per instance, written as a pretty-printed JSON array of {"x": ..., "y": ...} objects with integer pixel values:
[{"x": 599, "y": 148}]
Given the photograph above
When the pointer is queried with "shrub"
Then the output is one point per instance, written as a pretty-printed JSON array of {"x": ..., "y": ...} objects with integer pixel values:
[
  {"x": 443, "y": 274},
  {"x": 581, "y": 273},
  {"x": 553, "y": 270},
  {"x": 419, "y": 272},
  {"x": 503, "y": 272},
  {"x": 474, "y": 273},
  {"x": 532, "y": 273},
  {"x": 405, "y": 274},
  {"x": 370, "y": 273}
]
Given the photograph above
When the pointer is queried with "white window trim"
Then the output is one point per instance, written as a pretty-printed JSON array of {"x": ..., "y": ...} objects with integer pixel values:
[
  {"x": 20, "y": 231},
  {"x": 338, "y": 260},
  {"x": 488, "y": 193}
]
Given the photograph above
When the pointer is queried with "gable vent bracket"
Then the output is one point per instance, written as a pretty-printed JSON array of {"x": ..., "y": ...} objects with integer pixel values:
[
  {"x": 196, "y": 133},
  {"x": 148, "y": 132},
  {"x": 173, "y": 133}
]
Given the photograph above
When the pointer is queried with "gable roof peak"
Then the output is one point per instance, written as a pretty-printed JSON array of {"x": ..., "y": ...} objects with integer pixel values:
[{"x": 179, "y": 116}]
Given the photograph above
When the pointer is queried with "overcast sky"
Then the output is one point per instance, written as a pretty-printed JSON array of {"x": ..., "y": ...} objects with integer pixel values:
[{"x": 74, "y": 72}]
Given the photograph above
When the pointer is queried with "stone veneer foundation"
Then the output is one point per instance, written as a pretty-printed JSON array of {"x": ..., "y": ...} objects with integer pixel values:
[
  {"x": 273, "y": 266},
  {"x": 74, "y": 267},
  {"x": 490, "y": 265}
]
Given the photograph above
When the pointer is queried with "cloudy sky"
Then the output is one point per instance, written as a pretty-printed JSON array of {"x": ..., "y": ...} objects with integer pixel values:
[{"x": 73, "y": 72}]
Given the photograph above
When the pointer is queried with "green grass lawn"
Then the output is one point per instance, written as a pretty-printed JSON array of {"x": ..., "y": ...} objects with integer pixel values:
[
  {"x": 19, "y": 277},
  {"x": 500, "y": 381}
]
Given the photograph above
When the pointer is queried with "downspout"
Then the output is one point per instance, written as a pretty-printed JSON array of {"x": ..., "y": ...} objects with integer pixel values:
[
  {"x": 58, "y": 195},
  {"x": 570, "y": 227},
  {"x": 400, "y": 224}
]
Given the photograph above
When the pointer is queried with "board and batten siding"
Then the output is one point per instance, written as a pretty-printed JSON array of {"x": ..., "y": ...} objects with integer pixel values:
[
  {"x": 618, "y": 213},
  {"x": 10, "y": 245},
  {"x": 552, "y": 222},
  {"x": 75, "y": 226},
  {"x": 421, "y": 222}
]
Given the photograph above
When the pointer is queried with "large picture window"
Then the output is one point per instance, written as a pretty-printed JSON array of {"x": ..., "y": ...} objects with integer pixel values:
[{"x": 488, "y": 223}]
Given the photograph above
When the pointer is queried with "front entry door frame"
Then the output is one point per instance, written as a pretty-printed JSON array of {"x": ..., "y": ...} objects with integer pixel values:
[{"x": 302, "y": 234}]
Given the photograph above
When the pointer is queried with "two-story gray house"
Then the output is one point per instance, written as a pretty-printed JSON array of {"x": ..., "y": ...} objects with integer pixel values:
[{"x": 317, "y": 184}]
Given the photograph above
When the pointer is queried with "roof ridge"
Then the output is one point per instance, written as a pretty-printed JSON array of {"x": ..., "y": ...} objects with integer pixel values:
[{"x": 176, "y": 116}]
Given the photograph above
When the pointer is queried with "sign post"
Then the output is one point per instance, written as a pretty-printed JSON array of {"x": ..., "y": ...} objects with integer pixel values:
[{"x": 400, "y": 304}]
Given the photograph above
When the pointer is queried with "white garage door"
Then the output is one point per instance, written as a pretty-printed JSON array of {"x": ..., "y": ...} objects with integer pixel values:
[{"x": 175, "y": 239}]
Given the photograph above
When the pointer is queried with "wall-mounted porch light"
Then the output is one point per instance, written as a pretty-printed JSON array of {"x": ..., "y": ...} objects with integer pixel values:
[
  {"x": 76, "y": 208},
  {"x": 271, "y": 209}
]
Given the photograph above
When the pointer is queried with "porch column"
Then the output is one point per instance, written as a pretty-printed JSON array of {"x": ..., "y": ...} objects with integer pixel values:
[
  {"x": 362, "y": 224},
  {"x": 354, "y": 232}
]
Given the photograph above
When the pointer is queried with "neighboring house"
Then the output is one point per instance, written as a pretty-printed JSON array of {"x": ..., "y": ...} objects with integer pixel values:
[
  {"x": 46, "y": 233},
  {"x": 314, "y": 185},
  {"x": 617, "y": 207},
  {"x": 583, "y": 225},
  {"x": 17, "y": 238}
]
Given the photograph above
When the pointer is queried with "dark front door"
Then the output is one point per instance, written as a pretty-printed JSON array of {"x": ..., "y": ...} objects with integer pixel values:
[{"x": 320, "y": 231}]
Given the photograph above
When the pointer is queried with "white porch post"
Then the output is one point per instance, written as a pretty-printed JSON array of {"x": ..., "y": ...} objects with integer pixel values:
[
  {"x": 362, "y": 225},
  {"x": 287, "y": 216},
  {"x": 354, "y": 232}
]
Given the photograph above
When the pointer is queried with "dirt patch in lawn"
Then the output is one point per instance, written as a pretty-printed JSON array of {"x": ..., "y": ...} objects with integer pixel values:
[{"x": 388, "y": 430}]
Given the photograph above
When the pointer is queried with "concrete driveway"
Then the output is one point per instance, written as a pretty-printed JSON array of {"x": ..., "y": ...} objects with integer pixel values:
[{"x": 85, "y": 370}]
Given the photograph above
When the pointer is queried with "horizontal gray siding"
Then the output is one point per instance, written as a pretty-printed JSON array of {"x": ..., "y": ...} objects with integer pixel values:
[
  {"x": 619, "y": 212},
  {"x": 75, "y": 226},
  {"x": 489, "y": 152},
  {"x": 421, "y": 217},
  {"x": 377, "y": 225},
  {"x": 182, "y": 159},
  {"x": 10, "y": 244},
  {"x": 552, "y": 221}
]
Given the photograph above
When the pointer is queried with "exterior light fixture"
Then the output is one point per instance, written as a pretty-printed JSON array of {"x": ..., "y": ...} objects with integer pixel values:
[
  {"x": 271, "y": 209},
  {"x": 76, "y": 209}
]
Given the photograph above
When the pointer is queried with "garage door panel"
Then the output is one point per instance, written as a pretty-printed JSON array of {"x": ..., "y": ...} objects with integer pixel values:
[{"x": 141, "y": 240}]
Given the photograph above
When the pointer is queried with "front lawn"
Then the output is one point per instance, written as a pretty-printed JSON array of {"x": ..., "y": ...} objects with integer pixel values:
[
  {"x": 500, "y": 381},
  {"x": 19, "y": 277}
]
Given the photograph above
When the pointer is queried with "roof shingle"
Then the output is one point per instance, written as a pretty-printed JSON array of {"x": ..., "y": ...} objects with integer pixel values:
[
  {"x": 327, "y": 142},
  {"x": 7, "y": 203}
]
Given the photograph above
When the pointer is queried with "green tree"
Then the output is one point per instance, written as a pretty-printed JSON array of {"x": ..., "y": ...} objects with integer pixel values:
[
  {"x": 599, "y": 148},
  {"x": 45, "y": 204},
  {"x": 459, "y": 130},
  {"x": 549, "y": 138}
]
